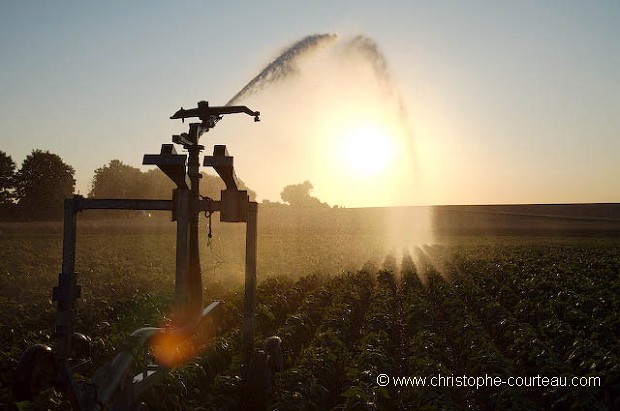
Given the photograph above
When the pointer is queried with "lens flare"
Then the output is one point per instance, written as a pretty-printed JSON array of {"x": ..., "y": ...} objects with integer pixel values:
[{"x": 169, "y": 350}]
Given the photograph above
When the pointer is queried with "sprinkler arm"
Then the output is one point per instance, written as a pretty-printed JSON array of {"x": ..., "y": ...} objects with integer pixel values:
[{"x": 211, "y": 115}]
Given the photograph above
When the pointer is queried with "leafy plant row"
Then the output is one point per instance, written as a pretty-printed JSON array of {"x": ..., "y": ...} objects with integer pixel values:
[
  {"x": 378, "y": 349},
  {"x": 517, "y": 305},
  {"x": 319, "y": 375},
  {"x": 425, "y": 351}
]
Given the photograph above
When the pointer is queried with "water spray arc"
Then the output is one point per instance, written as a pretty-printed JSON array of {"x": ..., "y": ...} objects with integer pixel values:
[
  {"x": 118, "y": 383},
  {"x": 283, "y": 66},
  {"x": 345, "y": 85},
  {"x": 368, "y": 49}
]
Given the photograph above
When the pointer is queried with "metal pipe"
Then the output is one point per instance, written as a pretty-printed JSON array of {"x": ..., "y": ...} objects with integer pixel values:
[
  {"x": 117, "y": 369},
  {"x": 249, "y": 306},
  {"x": 182, "y": 251},
  {"x": 143, "y": 335},
  {"x": 122, "y": 204},
  {"x": 193, "y": 284}
]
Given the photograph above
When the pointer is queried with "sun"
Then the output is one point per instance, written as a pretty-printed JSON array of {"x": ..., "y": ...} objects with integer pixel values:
[
  {"x": 360, "y": 160},
  {"x": 366, "y": 150}
]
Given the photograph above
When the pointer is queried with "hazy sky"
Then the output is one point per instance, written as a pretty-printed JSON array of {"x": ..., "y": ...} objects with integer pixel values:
[{"x": 507, "y": 102}]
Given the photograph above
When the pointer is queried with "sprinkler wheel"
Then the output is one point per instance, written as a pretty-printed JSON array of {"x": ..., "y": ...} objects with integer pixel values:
[
  {"x": 80, "y": 344},
  {"x": 37, "y": 370}
]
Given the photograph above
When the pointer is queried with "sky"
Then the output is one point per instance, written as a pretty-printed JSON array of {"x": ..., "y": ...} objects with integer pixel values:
[{"x": 488, "y": 102}]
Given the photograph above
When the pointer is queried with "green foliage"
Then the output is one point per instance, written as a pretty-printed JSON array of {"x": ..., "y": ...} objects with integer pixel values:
[
  {"x": 7, "y": 179},
  {"x": 42, "y": 184}
]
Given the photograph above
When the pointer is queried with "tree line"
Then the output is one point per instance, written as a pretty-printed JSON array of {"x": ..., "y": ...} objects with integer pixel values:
[{"x": 37, "y": 190}]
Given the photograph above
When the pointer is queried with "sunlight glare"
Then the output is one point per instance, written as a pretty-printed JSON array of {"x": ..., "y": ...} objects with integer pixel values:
[{"x": 366, "y": 150}]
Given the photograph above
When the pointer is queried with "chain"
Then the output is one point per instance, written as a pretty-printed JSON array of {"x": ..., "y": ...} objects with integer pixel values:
[{"x": 218, "y": 259}]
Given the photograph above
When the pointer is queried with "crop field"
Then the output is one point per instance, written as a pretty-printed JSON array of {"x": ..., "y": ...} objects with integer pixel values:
[{"x": 348, "y": 310}]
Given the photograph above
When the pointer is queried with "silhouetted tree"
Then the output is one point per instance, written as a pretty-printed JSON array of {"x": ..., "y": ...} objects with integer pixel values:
[
  {"x": 7, "y": 179},
  {"x": 298, "y": 195},
  {"x": 118, "y": 180},
  {"x": 42, "y": 183}
]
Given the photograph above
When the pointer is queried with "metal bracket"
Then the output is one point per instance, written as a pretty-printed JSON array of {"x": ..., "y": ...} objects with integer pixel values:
[
  {"x": 223, "y": 165},
  {"x": 235, "y": 206},
  {"x": 234, "y": 202},
  {"x": 67, "y": 290},
  {"x": 171, "y": 163}
]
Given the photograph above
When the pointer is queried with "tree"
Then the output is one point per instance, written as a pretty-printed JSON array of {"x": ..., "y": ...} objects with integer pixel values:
[
  {"x": 118, "y": 180},
  {"x": 42, "y": 184},
  {"x": 7, "y": 179},
  {"x": 298, "y": 195}
]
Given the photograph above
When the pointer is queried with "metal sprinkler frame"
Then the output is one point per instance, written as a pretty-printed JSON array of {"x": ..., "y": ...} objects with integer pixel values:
[{"x": 113, "y": 384}]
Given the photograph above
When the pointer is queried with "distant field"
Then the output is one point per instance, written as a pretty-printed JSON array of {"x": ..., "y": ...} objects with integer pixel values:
[
  {"x": 511, "y": 290},
  {"x": 550, "y": 219}
]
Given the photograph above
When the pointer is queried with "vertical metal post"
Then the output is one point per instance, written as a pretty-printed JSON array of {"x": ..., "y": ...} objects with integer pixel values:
[
  {"x": 65, "y": 294},
  {"x": 67, "y": 291},
  {"x": 249, "y": 306},
  {"x": 182, "y": 252},
  {"x": 194, "y": 280}
]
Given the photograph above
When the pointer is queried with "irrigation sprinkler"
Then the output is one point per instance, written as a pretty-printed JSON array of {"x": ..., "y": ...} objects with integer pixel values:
[{"x": 120, "y": 383}]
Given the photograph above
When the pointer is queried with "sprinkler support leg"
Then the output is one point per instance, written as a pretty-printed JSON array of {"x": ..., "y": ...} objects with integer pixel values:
[
  {"x": 182, "y": 250},
  {"x": 65, "y": 295},
  {"x": 249, "y": 306},
  {"x": 193, "y": 286},
  {"x": 67, "y": 291}
]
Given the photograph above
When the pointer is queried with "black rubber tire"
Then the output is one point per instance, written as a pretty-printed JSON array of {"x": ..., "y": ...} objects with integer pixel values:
[
  {"x": 141, "y": 407},
  {"x": 80, "y": 344},
  {"x": 36, "y": 370},
  {"x": 273, "y": 348},
  {"x": 258, "y": 384}
]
